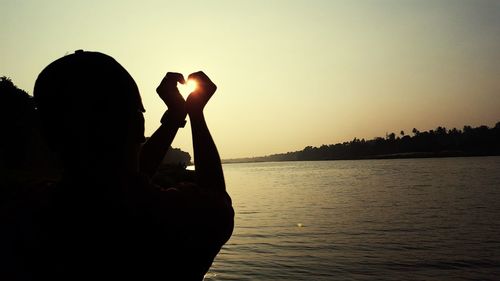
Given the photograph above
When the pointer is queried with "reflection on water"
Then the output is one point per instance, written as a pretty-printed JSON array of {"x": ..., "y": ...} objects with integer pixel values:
[{"x": 406, "y": 219}]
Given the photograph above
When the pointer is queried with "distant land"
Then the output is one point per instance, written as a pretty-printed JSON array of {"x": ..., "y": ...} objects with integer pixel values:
[{"x": 441, "y": 142}]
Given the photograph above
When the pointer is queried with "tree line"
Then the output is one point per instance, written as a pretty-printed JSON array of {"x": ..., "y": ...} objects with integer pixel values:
[{"x": 440, "y": 142}]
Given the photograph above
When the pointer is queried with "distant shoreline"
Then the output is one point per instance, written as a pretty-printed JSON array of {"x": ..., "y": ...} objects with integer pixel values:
[
  {"x": 414, "y": 155},
  {"x": 438, "y": 143}
]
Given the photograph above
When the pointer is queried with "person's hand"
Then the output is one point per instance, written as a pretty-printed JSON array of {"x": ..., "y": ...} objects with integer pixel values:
[
  {"x": 169, "y": 93},
  {"x": 197, "y": 100}
]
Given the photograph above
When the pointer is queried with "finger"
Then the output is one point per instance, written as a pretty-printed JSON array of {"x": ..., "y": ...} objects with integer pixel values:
[
  {"x": 174, "y": 77},
  {"x": 203, "y": 81},
  {"x": 169, "y": 82},
  {"x": 200, "y": 76}
]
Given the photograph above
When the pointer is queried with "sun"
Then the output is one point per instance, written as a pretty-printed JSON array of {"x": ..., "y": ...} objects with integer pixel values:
[{"x": 187, "y": 88}]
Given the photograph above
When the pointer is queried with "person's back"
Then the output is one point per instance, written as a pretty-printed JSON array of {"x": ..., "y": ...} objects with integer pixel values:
[{"x": 105, "y": 218}]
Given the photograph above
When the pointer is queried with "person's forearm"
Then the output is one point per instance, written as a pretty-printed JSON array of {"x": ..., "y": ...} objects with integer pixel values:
[
  {"x": 206, "y": 157},
  {"x": 154, "y": 150}
]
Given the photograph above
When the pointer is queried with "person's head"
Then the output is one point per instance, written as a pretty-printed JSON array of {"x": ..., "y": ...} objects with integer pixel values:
[{"x": 89, "y": 106}]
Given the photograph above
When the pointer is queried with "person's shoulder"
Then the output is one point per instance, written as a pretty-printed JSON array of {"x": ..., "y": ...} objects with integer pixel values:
[
  {"x": 29, "y": 197},
  {"x": 24, "y": 213}
]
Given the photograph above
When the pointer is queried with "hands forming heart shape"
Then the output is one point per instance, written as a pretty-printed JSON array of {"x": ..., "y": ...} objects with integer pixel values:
[{"x": 198, "y": 89}]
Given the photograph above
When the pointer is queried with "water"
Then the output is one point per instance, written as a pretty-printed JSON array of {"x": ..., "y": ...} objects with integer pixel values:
[{"x": 406, "y": 219}]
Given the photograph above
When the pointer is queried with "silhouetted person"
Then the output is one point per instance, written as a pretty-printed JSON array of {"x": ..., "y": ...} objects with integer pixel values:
[{"x": 104, "y": 219}]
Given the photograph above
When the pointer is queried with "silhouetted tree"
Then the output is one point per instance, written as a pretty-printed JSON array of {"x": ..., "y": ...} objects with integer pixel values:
[
  {"x": 391, "y": 136},
  {"x": 19, "y": 127},
  {"x": 433, "y": 143}
]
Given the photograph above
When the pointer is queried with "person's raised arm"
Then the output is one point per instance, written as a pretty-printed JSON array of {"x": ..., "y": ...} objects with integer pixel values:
[
  {"x": 154, "y": 150},
  {"x": 206, "y": 157}
]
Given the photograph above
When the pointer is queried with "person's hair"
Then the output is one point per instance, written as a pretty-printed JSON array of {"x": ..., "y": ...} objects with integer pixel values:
[{"x": 89, "y": 95}]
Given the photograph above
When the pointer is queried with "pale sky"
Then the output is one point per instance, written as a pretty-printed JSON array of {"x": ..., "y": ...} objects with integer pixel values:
[{"x": 289, "y": 73}]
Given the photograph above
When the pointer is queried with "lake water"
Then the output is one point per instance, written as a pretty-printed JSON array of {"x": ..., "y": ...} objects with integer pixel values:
[{"x": 405, "y": 219}]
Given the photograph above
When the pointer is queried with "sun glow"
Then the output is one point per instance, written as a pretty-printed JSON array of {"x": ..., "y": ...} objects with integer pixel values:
[{"x": 187, "y": 88}]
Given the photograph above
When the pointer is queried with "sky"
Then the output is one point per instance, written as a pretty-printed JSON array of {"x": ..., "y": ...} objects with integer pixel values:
[{"x": 289, "y": 73}]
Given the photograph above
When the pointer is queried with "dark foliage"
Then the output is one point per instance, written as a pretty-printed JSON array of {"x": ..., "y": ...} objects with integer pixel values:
[
  {"x": 176, "y": 157},
  {"x": 18, "y": 125},
  {"x": 441, "y": 142}
]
